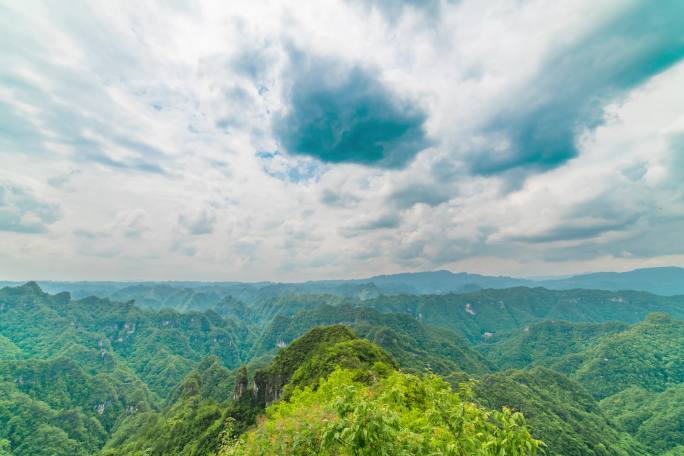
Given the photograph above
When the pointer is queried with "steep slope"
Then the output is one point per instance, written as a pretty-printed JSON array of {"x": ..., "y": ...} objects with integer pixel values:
[
  {"x": 192, "y": 424},
  {"x": 483, "y": 313},
  {"x": 307, "y": 358},
  {"x": 342, "y": 395},
  {"x": 655, "y": 419},
  {"x": 649, "y": 354},
  {"x": 559, "y": 411},
  {"x": 161, "y": 347},
  {"x": 544, "y": 342},
  {"x": 415, "y": 346},
  {"x": 637, "y": 371},
  {"x": 71, "y": 371}
]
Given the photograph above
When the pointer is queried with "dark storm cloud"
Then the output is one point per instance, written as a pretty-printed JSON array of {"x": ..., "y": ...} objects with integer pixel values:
[
  {"x": 344, "y": 114},
  {"x": 540, "y": 130}
]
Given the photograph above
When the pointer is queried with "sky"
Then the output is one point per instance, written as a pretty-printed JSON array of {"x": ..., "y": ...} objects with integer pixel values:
[{"x": 289, "y": 140}]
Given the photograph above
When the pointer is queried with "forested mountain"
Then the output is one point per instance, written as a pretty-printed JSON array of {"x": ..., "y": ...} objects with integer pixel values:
[
  {"x": 416, "y": 346},
  {"x": 185, "y": 296},
  {"x": 95, "y": 375},
  {"x": 655, "y": 418},
  {"x": 559, "y": 411},
  {"x": 663, "y": 281},
  {"x": 608, "y": 358},
  {"x": 635, "y": 370},
  {"x": 485, "y": 313}
]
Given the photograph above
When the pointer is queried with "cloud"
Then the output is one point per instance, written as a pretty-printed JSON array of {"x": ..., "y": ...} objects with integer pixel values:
[
  {"x": 334, "y": 198},
  {"x": 197, "y": 224},
  {"x": 393, "y": 10},
  {"x": 289, "y": 169},
  {"x": 61, "y": 180},
  {"x": 386, "y": 221},
  {"x": 342, "y": 113},
  {"x": 253, "y": 63},
  {"x": 578, "y": 230},
  {"x": 497, "y": 137},
  {"x": 132, "y": 224},
  {"x": 408, "y": 195},
  {"x": 540, "y": 129},
  {"x": 22, "y": 212}
]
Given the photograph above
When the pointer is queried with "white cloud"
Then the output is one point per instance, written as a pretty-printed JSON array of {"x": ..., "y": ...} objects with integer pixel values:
[{"x": 142, "y": 135}]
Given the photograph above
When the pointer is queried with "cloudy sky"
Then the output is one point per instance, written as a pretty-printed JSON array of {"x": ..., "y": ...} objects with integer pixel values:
[{"x": 292, "y": 140}]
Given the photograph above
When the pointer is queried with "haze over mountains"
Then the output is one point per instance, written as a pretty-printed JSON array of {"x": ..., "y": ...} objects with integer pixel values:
[{"x": 665, "y": 281}]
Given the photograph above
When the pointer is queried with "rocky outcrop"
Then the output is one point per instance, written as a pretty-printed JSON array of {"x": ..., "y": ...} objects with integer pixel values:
[
  {"x": 241, "y": 384},
  {"x": 267, "y": 387}
]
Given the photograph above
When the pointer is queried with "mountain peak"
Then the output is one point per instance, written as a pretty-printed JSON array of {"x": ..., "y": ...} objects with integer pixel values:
[{"x": 32, "y": 287}]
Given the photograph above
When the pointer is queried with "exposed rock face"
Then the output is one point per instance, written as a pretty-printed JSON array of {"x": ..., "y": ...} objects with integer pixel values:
[
  {"x": 267, "y": 387},
  {"x": 241, "y": 384},
  {"x": 270, "y": 382}
]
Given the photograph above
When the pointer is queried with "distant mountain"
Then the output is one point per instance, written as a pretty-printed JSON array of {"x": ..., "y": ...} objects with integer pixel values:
[
  {"x": 662, "y": 281},
  {"x": 665, "y": 281},
  {"x": 483, "y": 314},
  {"x": 200, "y": 296},
  {"x": 438, "y": 282}
]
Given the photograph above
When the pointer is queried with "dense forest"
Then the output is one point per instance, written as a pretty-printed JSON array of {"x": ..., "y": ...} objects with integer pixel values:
[{"x": 496, "y": 371}]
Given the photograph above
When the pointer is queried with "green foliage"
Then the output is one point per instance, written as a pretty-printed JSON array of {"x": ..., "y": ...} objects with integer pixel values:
[
  {"x": 637, "y": 370},
  {"x": 401, "y": 414},
  {"x": 5, "y": 448},
  {"x": 558, "y": 410},
  {"x": 648, "y": 354},
  {"x": 605, "y": 358},
  {"x": 655, "y": 419},
  {"x": 367, "y": 360},
  {"x": 82, "y": 376},
  {"x": 475, "y": 314},
  {"x": 288, "y": 360},
  {"x": 74, "y": 370},
  {"x": 414, "y": 346},
  {"x": 193, "y": 424},
  {"x": 8, "y": 350},
  {"x": 544, "y": 342},
  {"x": 314, "y": 355}
]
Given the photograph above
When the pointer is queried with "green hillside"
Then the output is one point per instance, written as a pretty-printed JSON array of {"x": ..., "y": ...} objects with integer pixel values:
[
  {"x": 96, "y": 376},
  {"x": 415, "y": 346},
  {"x": 481, "y": 314},
  {"x": 559, "y": 411}
]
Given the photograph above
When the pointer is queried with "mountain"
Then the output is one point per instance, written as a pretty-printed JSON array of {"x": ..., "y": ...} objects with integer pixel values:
[
  {"x": 417, "y": 347},
  {"x": 604, "y": 358},
  {"x": 346, "y": 397},
  {"x": 656, "y": 419},
  {"x": 636, "y": 371},
  {"x": 192, "y": 423},
  {"x": 545, "y": 342},
  {"x": 75, "y": 369},
  {"x": 439, "y": 282},
  {"x": 666, "y": 281},
  {"x": 483, "y": 314},
  {"x": 559, "y": 411},
  {"x": 98, "y": 376}
]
